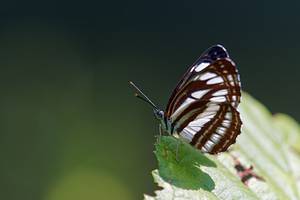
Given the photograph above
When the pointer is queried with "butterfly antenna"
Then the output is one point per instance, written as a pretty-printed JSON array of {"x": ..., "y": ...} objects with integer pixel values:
[{"x": 144, "y": 98}]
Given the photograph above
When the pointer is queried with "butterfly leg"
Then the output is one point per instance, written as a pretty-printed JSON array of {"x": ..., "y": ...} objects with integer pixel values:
[
  {"x": 177, "y": 149},
  {"x": 159, "y": 135}
]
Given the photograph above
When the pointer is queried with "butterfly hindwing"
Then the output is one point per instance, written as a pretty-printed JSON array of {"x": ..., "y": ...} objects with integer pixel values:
[{"x": 209, "y": 126}]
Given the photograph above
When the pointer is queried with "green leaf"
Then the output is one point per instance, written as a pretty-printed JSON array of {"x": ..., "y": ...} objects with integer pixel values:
[
  {"x": 289, "y": 129},
  {"x": 267, "y": 143}
]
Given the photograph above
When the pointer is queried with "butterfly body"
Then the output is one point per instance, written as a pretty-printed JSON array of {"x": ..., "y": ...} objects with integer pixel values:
[{"x": 202, "y": 109}]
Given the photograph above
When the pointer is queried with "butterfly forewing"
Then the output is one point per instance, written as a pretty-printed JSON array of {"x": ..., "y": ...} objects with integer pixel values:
[
  {"x": 219, "y": 82},
  {"x": 209, "y": 56},
  {"x": 203, "y": 105}
]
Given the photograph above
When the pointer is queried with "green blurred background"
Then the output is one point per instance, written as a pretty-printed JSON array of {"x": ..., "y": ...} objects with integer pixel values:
[{"x": 70, "y": 125}]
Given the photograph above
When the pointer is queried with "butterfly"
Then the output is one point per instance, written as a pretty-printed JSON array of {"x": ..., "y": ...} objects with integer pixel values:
[{"x": 202, "y": 109}]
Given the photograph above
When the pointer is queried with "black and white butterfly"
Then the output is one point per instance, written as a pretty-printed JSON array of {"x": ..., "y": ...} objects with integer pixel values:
[{"x": 202, "y": 109}]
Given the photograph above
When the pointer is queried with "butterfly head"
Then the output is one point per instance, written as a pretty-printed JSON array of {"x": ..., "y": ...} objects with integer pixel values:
[{"x": 159, "y": 114}]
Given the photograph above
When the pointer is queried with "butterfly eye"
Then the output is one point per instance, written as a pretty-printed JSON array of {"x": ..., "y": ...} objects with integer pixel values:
[{"x": 159, "y": 113}]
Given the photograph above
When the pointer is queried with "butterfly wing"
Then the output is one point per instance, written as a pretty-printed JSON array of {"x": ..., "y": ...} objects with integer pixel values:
[
  {"x": 212, "y": 54},
  {"x": 218, "y": 82},
  {"x": 209, "y": 126},
  {"x": 203, "y": 109}
]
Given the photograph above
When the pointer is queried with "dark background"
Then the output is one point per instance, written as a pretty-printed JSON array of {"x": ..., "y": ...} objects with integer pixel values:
[{"x": 70, "y": 126}]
